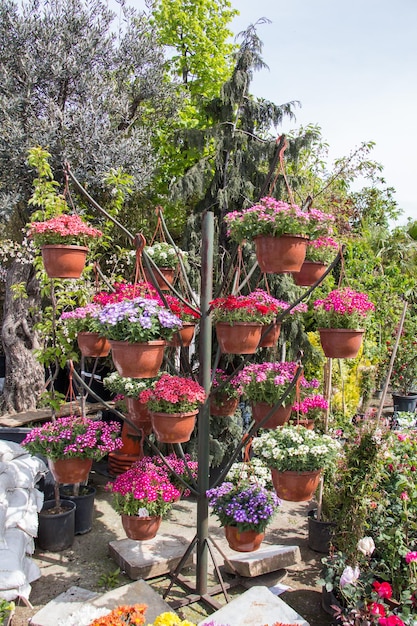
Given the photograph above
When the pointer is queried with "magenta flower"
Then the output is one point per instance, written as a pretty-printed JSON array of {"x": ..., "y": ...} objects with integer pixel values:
[{"x": 410, "y": 557}]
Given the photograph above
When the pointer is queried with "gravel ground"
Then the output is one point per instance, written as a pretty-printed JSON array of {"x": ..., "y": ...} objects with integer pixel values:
[{"x": 87, "y": 563}]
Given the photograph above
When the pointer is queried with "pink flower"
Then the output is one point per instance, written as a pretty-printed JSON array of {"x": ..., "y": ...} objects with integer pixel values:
[
  {"x": 349, "y": 576},
  {"x": 375, "y": 608},
  {"x": 404, "y": 496},
  {"x": 411, "y": 556},
  {"x": 392, "y": 620}
]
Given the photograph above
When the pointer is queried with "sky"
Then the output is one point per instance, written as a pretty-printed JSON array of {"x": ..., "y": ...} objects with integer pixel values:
[{"x": 353, "y": 66}]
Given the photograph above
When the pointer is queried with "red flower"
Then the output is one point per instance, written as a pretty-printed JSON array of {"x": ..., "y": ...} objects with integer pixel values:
[
  {"x": 375, "y": 608},
  {"x": 392, "y": 620},
  {"x": 384, "y": 590}
]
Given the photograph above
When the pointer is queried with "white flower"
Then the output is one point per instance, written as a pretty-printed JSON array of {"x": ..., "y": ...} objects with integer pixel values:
[
  {"x": 366, "y": 546},
  {"x": 143, "y": 512},
  {"x": 349, "y": 576}
]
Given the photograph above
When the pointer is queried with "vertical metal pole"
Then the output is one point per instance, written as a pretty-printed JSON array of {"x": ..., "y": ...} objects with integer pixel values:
[{"x": 204, "y": 413}]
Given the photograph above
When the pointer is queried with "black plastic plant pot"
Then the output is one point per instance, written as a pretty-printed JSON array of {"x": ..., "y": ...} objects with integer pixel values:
[
  {"x": 84, "y": 507},
  {"x": 405, "y": 403},
  {"x": 319, "y": 533},
  {"x": 56, "y": 528}
]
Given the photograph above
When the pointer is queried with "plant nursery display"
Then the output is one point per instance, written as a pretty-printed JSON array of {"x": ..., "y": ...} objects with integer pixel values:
[
  {"x": 143, "y": 495},
  {"x": 73, "y": 442},
  {"x": 63, "y": 241},
  {"x": 297, "y": 457},
  {"x": 341, "y": 317},
  {"x": 244, "y": 510},
  {"x": 173, "y": 403}
]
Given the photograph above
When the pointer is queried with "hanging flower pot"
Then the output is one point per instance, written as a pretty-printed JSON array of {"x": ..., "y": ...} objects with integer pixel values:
[
  {"x": 277, "y": 255},
  {"x": 239, "y": 337},
  {"x": 137, "y": 360},
  {"x": 295, "y": 486},
  {"x": 92, "y": 344},
  {"x": 279, "y": 417},
  {"x": 167, "y": 272},
  {"x": 341, "y": 343},
  {"x": 221, "y": 405},
  {"x": 70, "y": 470},
  {"x": 310, "y": 272},
  {"x": 245, "y": 541},
  {"x": 139, "y": 414},
  {"x": 271, "y": 337},
  {"x": 141, "y": 528},
  {"x": 62, "y": 261},
  {"x": 183, "y": 337},
  {"x": 173, "y": 427}
]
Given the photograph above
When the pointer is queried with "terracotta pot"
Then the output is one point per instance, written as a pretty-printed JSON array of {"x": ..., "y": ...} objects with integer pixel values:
[
  {"x": 278, "y": 255},
  {"x": 71, "y": 470},
  {"x": 138, "y": 360},
  {"x": 239, "y": 338},
  {"x": 295, "y": 486},
  {"x": 141, "y": 528},
  {"x": 280, "y": 416},
  {"x": 341, "y": 343},
  {"x": 167, "y": 272},
  {"x": 222, "y": 405},
  {"x": 132, "y": 443},
  {"x": 271, "y": 338},
  {"x": 173, "y": 427},
  {"x": 62, "y": 261},
  {"x": 311, "y": 272},
  {"x": 246, "y": 541},
  {"x": 92, "y": 344},
  {"x": 139, "y": 414},
  {"x": 183, "y": 338}
]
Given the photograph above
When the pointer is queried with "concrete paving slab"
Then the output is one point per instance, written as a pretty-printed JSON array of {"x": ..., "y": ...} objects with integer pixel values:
[
  {"x": 62, "y": 606},
  {"x": 68, "y": 606},
  {"x": 263, "y": 561},
  {"x": 147, "y": 559},
  {"x": 254, "y": 607}
]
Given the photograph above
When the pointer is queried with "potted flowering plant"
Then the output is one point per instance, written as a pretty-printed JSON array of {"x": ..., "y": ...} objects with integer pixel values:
[
  {"x": 173, "y": 403},
  {"x": 341, "y": 316},
  {"x": 184, "y": 470},
  {"x": 225, "y": 394},
  {"x": 244, "y": 510},
  {"x": 263, "y": 384},
  {"x": 82, "y": 322},
  {"x": 295, "y": 455},
  {"x": 189, "y": 317},
  {"x": 319, "y": 254},
  {"x": 165, "y": 256},
  {"x": 310, "y": 409},
  {"x": 240, "y": 319},
  {"x": 280, "y": 231},
  {"x": 255, "y": 472},
  {"x": 63, "y": 241},
  {"x": 137, "y": 330},
  {"x": 143, "y": 495},
  {"x": 71, "y": 444}
]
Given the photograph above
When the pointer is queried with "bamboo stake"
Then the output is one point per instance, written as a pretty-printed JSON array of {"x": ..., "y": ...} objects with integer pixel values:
[{"x": 391, "y": 364}]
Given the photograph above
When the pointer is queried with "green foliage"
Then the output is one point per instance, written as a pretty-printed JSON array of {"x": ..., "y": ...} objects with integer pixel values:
[
  {"x": 6, "y": 608},
  {"x": 109, "y": 580}
]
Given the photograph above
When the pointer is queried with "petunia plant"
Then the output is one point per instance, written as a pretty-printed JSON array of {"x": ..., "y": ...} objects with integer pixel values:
[{"x": 343, "y": 308}]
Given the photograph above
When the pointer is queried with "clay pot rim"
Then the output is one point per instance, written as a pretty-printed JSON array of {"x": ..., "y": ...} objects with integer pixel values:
[{"x": 72, "y": 246}]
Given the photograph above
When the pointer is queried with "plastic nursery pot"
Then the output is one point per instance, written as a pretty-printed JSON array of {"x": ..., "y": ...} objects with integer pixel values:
[
  {"x": 56, "y": 526},
  {"x": 319, "y": 533},
  {"x": 84, "y": 507}
]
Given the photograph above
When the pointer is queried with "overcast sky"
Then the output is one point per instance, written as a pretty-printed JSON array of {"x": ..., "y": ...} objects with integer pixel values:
[{"x": 353, "y": 67}]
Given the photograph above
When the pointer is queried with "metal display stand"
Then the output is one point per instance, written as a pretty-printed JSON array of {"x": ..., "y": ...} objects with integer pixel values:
[{"x": 202, "y": 543}]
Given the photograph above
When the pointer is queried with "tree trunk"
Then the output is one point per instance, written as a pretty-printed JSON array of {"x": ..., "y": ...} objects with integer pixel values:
[{"x": 25, "y": 377}]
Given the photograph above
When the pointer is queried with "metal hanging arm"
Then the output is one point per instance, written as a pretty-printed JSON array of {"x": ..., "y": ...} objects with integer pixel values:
[{"x": 95, "y": 204}]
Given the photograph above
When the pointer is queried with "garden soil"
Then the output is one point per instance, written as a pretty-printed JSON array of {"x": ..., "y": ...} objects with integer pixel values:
[{"x": 87, "y": 563}]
